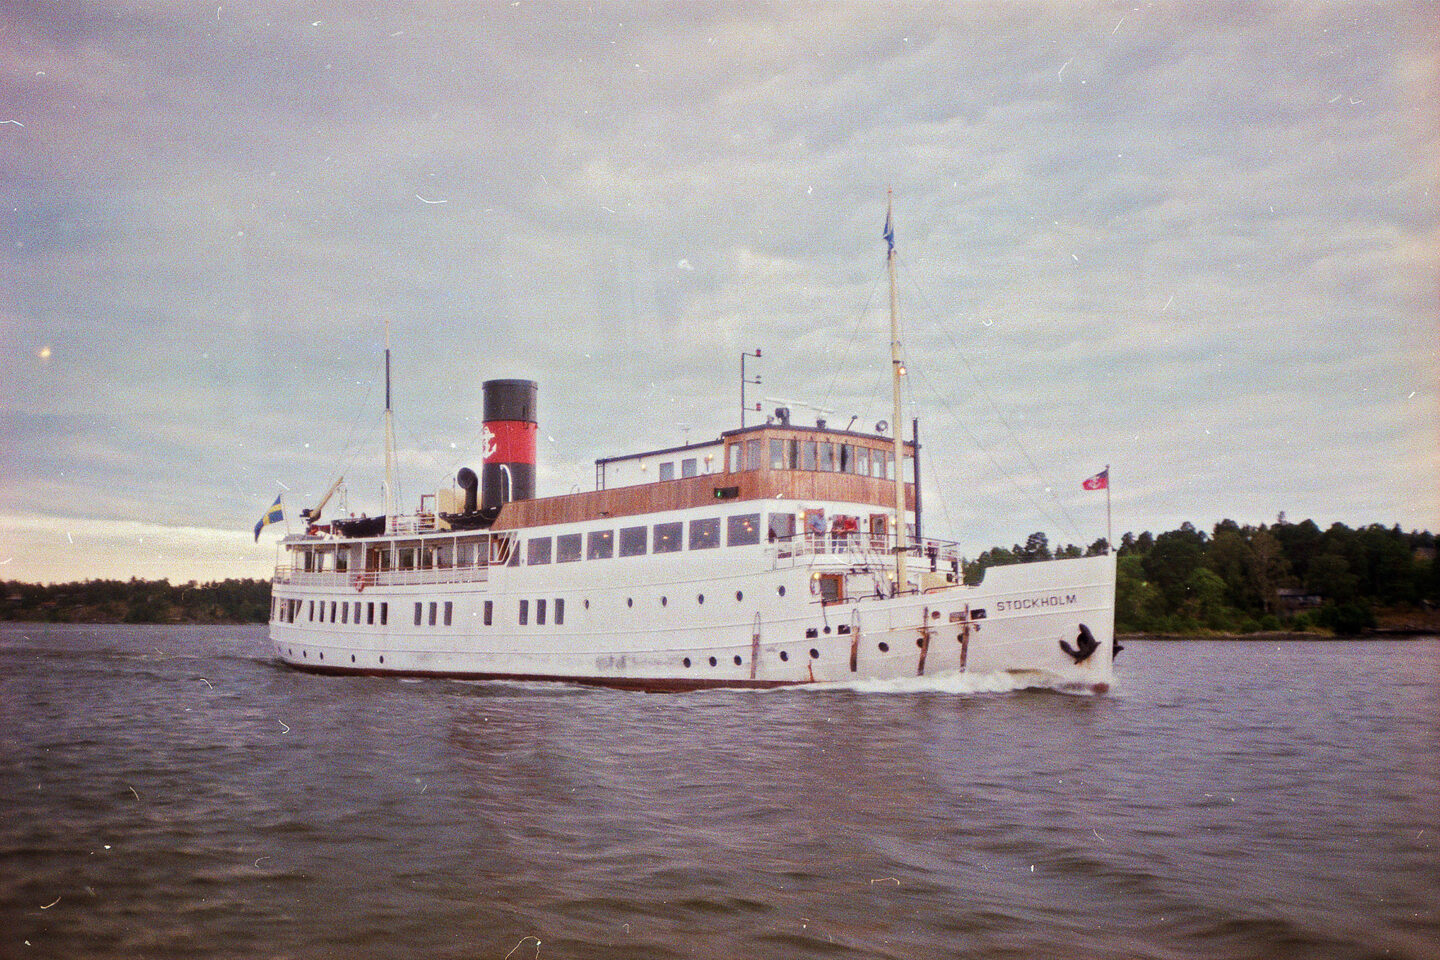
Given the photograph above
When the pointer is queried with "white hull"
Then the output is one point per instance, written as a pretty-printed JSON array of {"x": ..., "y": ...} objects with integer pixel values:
[{"x": 741, "y": 616}]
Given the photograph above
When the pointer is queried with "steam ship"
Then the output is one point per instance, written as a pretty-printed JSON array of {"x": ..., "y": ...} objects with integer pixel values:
[{"x": 775, "y": 554}]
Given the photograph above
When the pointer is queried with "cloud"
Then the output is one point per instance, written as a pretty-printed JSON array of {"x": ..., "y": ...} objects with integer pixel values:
[{"x": 1119, "y": 229}]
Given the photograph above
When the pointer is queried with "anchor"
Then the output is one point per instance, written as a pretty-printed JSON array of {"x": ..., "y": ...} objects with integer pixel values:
[{"x": 1085, "y": 644}]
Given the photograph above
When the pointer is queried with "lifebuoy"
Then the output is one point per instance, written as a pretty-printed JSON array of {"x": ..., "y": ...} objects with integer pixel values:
[{"x": 358, "y": 582}]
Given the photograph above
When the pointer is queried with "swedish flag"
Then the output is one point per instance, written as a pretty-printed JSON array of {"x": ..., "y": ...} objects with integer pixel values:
[{"x": 275, "y": 513}]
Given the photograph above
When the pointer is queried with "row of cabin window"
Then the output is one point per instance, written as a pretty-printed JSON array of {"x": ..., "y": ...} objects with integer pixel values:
[
  {"x": 541, "y": 610},
  {"x": 445, "y": 621},
  {"x": 741, "y": 530},
  {"x": 821, "y": 455},
  {"x": 333, "y": 611}
]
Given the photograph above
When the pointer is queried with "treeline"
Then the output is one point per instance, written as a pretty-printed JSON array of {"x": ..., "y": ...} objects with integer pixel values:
[
  {"x": 137, "y": 601},
  {"x": 1243, "y": 579}
]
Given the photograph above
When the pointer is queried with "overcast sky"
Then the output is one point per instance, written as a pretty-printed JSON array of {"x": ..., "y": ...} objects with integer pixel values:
[{"x": 1196, "y": 242}]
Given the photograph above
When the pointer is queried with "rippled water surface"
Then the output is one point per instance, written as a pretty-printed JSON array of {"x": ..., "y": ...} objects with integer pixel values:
[{"x": 171, "y": 792}]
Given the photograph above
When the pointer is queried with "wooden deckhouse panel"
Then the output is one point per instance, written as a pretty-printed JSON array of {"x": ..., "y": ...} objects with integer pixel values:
[{"x": 699, "y": 491}]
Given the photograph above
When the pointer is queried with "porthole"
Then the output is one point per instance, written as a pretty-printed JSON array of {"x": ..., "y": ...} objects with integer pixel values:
[
  {"x": 784, "y": 655},
  {"x": 739, "y": 595},
  {"x": 700, "y": 598},
  {"x": 814, "y": 654},
  {"x": 712, "y": 661},
  {"x": 303, "y": 654},
  {"x": 587, "y": 603},
  {"x": 827, "y": 631},
  {"x": 687, "y": 661},
  {"x": 322, "y": 654},
  {"x": 919, "y": 641},
  {"x": 738, "y": 661},
  {"x": 352, "y": 658},
  {"x": 781, "y": 588},
  {"x": 884, "y": 647},
  {"x": 629, "y": 601},
  {"x": 664, "y": 601},
  {"x": 382, "y": 659}
]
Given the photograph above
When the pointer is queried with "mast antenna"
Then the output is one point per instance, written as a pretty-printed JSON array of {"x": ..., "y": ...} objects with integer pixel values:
[
  {"x": 389, "y": 441},
  {"x": 897, "y": 370}
]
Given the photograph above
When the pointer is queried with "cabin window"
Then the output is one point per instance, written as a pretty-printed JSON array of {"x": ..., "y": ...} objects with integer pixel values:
[
  {"x": 342, "y": 561},
  {"x": 704, "y": 534},
  {"x": 777, "y": 454},
  {"x": 752, "y": 454},
  {"x": 807, "y": 455},
  {"x": 559, "y": 611},
  {"x": 668, "y": 537},
  {"x": 600, "y": 545},
  {"x": 407, "y": 558},
  {"x": 449, "y": 611},
  {"x": 540, "y": 612},
  {"x": 633, "y": 541},
  {"x": 311, "y": 615},
  {"x": 538, "y": 551},
  {"x": 742, "y": 530},
  {"x": 418, "y": 607},
  {"x": 332, "y": 611},
  {"x": 370, "y": 613},
  {"x": 827, "y": 457},
  {"x": 344, "y": 613},
  {"x": 667, "y": 470},
  {"x": 524, "y": 612},
  {"x": 489, "y": 612},
  {"x": 384, "y": 613},
  {"x": 689, "y": 467},
  {"x": 567, "y": 548},
  {"x": 782, "y": 527},
  {"x": 432, "y": 613}
]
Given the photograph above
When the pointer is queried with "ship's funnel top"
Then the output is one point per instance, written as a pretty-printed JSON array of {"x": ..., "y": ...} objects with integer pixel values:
[{"x": 510, "y": 429}]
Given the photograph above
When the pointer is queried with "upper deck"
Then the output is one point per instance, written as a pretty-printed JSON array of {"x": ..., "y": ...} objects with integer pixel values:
[{"x": 764, "y": 462}]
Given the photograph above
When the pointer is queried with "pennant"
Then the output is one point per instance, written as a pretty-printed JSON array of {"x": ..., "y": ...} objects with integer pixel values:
[
  {"x": 1101, "y": 481},
  {"x": 273, "y": 515},
  {"x": 889, "y": 233}
]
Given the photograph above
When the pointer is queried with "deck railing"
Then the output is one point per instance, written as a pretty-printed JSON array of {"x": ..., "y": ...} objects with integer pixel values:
[{"x": 360, "y": 580}]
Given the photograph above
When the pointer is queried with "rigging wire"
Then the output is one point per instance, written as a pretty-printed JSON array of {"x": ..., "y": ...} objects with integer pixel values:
[{"x": 994, "y": 409}]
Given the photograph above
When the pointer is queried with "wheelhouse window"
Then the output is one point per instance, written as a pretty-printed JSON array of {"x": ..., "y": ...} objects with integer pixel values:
[
  {"x": 704, "y": 534},
  {"x": 777, "y": 454},
  {"x": 742, "y": 530},
  {"x": 752, "y": 455},
  {"x": 807, "y": 455},
  {"x": 737, "y": 457},
  {"x": 567, "y": 548},
  {"x": 537, "y": 551},
  {"x": 668, "y": 537},
  {"x": 689, "y": 467},
  {"x": 600, "y": 545},
  {"x": 667, "y": 470},
  {"x": 862, "y": 461},
  {"x": 827, "y": 457},
  {"x": 633, "y": 541}
]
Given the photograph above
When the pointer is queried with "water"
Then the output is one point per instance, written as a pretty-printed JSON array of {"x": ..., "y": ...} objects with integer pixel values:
[{"x": 170, "y": 792}]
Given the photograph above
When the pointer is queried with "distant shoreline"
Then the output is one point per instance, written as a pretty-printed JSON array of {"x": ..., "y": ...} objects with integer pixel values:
[{"x": 1283, "y": 636}]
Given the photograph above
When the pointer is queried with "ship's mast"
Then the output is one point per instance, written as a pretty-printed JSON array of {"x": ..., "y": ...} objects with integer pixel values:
[
  {"x": 897, "y": 370},
  {"x": 389, "y": 442}
]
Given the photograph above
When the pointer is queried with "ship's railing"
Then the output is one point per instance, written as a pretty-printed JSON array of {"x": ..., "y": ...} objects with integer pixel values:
[
  {"x": 867, "y": 547},
  {"x": 363, "y": 579}
]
